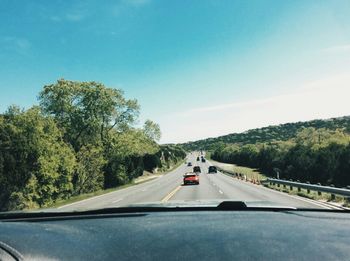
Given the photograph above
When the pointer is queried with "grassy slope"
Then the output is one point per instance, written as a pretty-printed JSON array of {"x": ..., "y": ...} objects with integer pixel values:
[{"x": 249, "y": 172}]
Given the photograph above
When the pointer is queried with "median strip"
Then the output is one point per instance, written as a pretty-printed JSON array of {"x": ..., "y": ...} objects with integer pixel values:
[{"x": 171, "y": 194}]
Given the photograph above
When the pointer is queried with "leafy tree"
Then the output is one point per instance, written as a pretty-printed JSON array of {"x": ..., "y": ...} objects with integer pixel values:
[
  {"x": 89, "y": 175},
  {"x": 152, "y": 130},
  {"x": 283, "y": 132},
  {"x": 79, "y": 140},
  {"x": 315, "y": 155},
  {"x": 124, "y": 156},
  {"x": 36, "y": 165},
  {"x": 87, "y": 111}
]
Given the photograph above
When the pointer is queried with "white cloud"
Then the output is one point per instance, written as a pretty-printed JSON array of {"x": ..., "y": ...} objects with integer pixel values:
[
  {"x": 75, "y": 12},
  {"x": 55, "y": 18},
  {"x": 75, "y": 17},
  {"x": 123, "y": 6},
  {"x": 69, "y": 17},
  {"x": 338, "y": 49},
  {"x": 137, "y": 3},
  {"x": 18, "y": 44},
  {"x": 324, "y": 98}
]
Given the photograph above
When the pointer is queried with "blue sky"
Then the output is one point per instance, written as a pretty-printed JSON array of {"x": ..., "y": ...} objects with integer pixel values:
[{"x": 199, "y": 68}]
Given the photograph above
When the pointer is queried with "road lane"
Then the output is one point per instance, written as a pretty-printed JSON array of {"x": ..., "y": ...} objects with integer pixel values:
[
  {"x": 204, "y": 191},
  {"x": 236, "y": 189},
  {"x": 151, "y": 191},
  {"x": 221, "y": 186},
  {"x": 169, "y": 188}
]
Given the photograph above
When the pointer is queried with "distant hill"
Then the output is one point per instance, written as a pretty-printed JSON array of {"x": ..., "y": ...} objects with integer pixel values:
[{"x": 280, "y": 132}]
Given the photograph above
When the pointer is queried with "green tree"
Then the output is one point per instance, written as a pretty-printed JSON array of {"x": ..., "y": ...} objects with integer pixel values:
[
  {"x": 89, "y": 175},
  {"x": 87, "y": 111},
  {"x": 125, "y": 156},
  {"x": 152, "y": 130},
  {"x": 36, "y": 166}
]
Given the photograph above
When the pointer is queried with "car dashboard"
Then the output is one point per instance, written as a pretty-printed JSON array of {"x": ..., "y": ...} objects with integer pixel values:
[{"x": 179, "y": 235}]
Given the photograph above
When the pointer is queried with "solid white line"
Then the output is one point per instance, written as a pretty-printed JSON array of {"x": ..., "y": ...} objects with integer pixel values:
[
  {"x": 310, "y": 201},
  {"x": 84, "y": 200}
]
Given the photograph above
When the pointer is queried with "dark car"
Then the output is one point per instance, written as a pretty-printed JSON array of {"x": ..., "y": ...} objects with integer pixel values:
[
  {"x": 197, "y": 158},
  {"x": 212, "y": 169},
  {"x": 191, "y": 178},
  {"x": 189, "y": 164},
  {"x": 196, "y": 169},
  {"x": 203, "y": 159}
]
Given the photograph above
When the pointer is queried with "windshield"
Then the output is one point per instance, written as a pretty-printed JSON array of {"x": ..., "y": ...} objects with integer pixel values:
[{"x": 109, "y": 104}]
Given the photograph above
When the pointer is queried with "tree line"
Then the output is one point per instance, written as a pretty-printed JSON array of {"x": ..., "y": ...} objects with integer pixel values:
[
  {"x": 79, "y": 139},
  {"x": 313, "y": 155},
  {"x": 282, "y": 132}
]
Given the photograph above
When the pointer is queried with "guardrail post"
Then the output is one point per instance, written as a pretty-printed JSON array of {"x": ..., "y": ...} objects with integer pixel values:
[
  {"x": 299, "y": 189},
  {"x": 332, "y": 195},
  {"x": 319, "y": 192},
  {"x": 308, "y": 190},
  {"x": 330, "y": 189}
]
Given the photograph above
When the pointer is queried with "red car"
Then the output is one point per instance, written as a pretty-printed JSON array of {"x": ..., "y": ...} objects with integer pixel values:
[{"x": 191, "y": 178}]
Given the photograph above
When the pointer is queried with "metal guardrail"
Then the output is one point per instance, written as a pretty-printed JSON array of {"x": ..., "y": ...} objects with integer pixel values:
[
  {"x": 229, "y": 172},
  {"x": 293, "y": 184},
  {"x": 327, "y": 189},
  {"x": 238, "y": 175}
]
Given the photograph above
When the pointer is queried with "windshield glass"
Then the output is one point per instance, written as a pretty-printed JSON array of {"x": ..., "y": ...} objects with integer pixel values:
[{"x": 109, "y": 104}]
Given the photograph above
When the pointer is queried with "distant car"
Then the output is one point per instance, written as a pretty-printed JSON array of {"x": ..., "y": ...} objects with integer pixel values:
[
  {"x": 197, "y": 158},
  {"x": 203, "y": 159},
  {"x": 189, "y": 164},
  {"x": 191, "y": 178},
  {"x": 196, "y": 169},
  {"x": 212, "y": 169}
]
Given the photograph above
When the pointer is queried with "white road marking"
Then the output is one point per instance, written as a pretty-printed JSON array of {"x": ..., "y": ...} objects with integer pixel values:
[
  {"x": 221, "y": 192},
  {"x": 78, "y": 202},
  {"x": 115, "y": 201},
  {"x": 312, "y": 202}
]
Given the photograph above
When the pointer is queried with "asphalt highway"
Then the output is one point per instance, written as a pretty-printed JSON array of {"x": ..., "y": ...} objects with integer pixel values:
[{"x": 169, "y": 188}]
